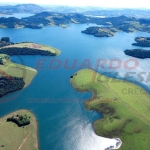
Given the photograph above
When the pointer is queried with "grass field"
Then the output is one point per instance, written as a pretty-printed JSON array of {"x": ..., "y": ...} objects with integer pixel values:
[
  {"x": 124, "y": 105},
  {"x": 13, "y": 137},
  {"x": 35, "y": 46},
  {"x": 16, "y": 70}
]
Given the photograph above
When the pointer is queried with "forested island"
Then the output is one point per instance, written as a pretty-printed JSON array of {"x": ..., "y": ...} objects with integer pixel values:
[
  {"x": 142, "y": 41},
  {"x": 138, "y": 53},
  {"x": 125, "y": 115},
  {"x": 100, "y": 31}
]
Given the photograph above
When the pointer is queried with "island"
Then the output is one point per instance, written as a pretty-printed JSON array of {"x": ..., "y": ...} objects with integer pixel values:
[
  {"x": 124, "y": 106},
  {"x": 117, "y": 24},
  {"x": 100, "y": 31},
  {"x": 142, "y": 41},
  {"x": 50, "y": 18},
  {"x": 19, "y": 137},
  {"x": 14, "y": 76},
  {"x": 138, "y": 53}
]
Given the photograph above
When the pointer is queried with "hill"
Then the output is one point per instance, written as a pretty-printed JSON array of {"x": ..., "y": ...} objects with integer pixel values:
[{"x": 21, "y": 8}]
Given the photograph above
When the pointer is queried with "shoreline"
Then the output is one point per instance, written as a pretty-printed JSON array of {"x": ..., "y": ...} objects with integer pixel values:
[
  {"x": 90, "y": 99},
  {"x": 107, "y": 147},
  {"x": 38, "y": 145},
  {"x": 25, "y": 86},
  {"x": 115, "y": 123}
]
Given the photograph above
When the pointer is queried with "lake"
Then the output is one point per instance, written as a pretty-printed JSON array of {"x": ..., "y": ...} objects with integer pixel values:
[
  {"x": 63, "y": 122},
  {"x": 17, "y": 15}
]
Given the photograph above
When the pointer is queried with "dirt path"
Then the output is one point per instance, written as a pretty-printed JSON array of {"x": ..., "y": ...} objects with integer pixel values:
[
  {"x": 24, "y": 141},
  {"x": 131, "y": 108}
]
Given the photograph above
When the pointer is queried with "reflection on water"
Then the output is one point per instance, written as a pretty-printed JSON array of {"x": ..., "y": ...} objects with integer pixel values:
[{"x": 68, "y": 125}]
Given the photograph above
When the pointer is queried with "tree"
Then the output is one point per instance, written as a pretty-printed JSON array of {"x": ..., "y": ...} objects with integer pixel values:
[
  {"x": 5, "y": 39},
  {"x": 1, "y": 61}
]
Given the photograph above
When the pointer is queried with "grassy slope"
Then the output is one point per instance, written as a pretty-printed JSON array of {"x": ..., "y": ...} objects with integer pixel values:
[
  {"x": 17, "y": 70},
  {"x": 35, "y": 46},
  {"x": 12, "y": 136},
  {"x": 127, "y": 118}
]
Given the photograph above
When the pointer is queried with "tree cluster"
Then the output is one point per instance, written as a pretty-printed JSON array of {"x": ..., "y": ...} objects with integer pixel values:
[
  {"x": 25, "y": 51},
  {"x": 10, "y": 84},
  {"x": 138, "y": 53},
  {"x": 20, "y": 120}
]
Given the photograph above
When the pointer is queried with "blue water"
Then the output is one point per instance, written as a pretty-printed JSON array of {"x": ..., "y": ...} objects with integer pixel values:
[
  {"x": 17, "y": 15},
  {"x": 64, "y": 123}
]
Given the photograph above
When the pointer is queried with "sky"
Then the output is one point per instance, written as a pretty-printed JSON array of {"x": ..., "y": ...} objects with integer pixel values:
[{"x": 101, "y": 3}]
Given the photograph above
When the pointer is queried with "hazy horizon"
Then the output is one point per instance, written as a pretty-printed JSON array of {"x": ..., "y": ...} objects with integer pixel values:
[{"x": 95, "y": 3}]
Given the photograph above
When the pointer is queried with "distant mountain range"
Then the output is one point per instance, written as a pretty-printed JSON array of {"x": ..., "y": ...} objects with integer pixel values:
[
  {"x": 21, "y": 8},
  {"x": 100, "y": 11},
  {"x": 88, "y": 10}
]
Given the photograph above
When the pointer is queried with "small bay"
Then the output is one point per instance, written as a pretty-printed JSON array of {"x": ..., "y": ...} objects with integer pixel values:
[{"x": 63, "y": 122}]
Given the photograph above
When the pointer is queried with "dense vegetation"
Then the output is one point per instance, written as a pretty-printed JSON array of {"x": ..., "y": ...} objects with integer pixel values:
[
  {"x": 138, "y": 53},
  {"x": 10, "y": 84},
  {"x": 100, "y": 31},
  {"x": 47, "y": 18},
  {"x": 20, "y": 120},
  {"x": 14, "y": 76},
  {"x": 13, "y": 22},
  {"x": 37, "y": 21},
  {"x": 142, "y": 41},
  {"x": 25, "y": 51},
  {"x": 5, "y": 41}
]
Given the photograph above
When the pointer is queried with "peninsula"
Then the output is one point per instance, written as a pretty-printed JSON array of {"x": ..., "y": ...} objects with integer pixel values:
[
  {"x": 15, "y": 137},
  {"x": 26, "y": 48},
  {"x": 124, "y": 105},
  {"x": 29, "y": 48},
  {"x": 14, "y": 76}
]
